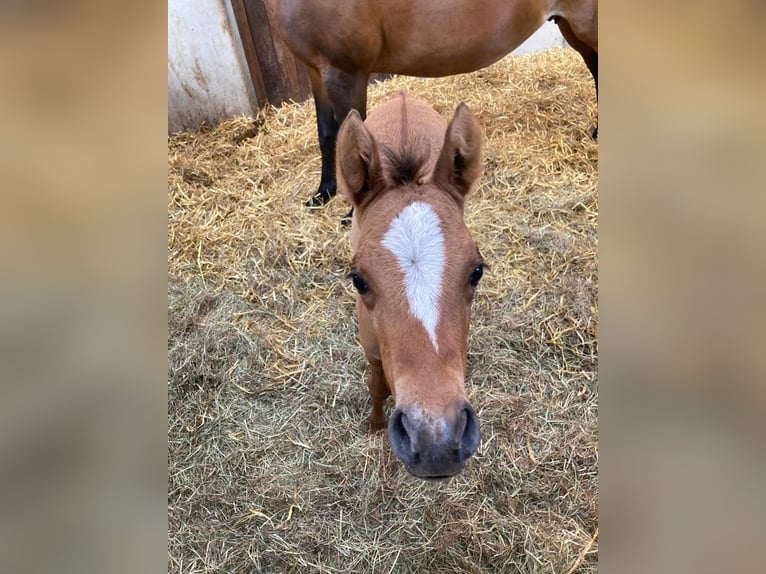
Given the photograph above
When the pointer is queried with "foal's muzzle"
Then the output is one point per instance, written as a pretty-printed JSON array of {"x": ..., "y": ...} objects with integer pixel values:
[{"x": 434, "y": 447}]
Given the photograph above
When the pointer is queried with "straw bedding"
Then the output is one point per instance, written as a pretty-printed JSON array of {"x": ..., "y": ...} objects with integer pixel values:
[{"x": 271, "y": 464}]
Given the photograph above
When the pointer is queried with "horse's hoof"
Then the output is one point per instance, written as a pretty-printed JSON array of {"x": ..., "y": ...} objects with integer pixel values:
[
  {"x": 321, "y": 197},
  {"x": 317, "y": 200}
]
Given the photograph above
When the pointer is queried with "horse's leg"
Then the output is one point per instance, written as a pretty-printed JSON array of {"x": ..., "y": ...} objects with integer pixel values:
[
  {"x": 335, "y": 94},
  {"x": 589, "y": 55},
  {"x": 379, "y": 391},
  {"x": 346, "y": 92},
  {"x": 327, "y": 129}
]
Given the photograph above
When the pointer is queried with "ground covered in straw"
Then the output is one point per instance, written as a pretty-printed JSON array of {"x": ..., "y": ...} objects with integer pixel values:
[{"x": 271, "y": 465}]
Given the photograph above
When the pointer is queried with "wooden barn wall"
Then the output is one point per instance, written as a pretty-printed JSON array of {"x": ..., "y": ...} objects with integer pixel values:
[{"x": 277, "y": 76}]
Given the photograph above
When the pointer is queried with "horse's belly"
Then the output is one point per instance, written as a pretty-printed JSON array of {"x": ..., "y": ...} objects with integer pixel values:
[
  {"x": 436, "y": 64},
  {"x": 454, "y": 39}
]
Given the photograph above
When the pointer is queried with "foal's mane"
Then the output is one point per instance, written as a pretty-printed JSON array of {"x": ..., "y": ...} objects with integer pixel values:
[{"x": 407, "y": 165}]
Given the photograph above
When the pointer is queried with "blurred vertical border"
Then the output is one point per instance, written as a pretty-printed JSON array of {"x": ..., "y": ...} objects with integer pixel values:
[
  {"x": 682, "y": 138},
  {"x": 83, "y": 459}
]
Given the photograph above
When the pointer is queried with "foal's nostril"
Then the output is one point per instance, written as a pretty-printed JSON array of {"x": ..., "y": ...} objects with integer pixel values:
[
  {"x": 470, "y": 437},
  {"x": 400, "y": 437},
  {"x": 462, "y": 421}
]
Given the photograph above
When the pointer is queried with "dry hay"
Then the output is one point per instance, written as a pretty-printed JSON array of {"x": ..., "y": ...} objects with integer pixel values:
[{"x": 272, "y": 468}]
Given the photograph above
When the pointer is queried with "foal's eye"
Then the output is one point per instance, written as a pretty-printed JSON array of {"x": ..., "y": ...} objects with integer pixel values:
[
  {"x": 476, "y": 275},
  {"x": 359, "y": 283}
]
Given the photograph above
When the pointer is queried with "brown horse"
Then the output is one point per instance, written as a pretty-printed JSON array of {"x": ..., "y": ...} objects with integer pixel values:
[
  {"x": 342, "y": 43},
  {"x": 415, "y": 268}
]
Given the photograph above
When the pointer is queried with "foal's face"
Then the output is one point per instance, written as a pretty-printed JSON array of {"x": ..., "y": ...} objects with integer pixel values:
[{"x": 416, "y": 270}]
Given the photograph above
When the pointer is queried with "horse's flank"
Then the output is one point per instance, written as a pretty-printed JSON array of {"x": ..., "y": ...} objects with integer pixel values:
[{"x": 421, "y": 37}]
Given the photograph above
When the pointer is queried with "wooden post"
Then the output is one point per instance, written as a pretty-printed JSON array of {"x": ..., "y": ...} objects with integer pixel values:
[{"x": 277, "y": 75}]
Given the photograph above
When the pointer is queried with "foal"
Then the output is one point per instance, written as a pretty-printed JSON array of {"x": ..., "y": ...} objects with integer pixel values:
[{"x": 415, "y": 268}]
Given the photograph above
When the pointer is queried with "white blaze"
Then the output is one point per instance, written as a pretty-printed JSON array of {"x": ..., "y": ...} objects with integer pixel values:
[{"x": 415, "y": 238}]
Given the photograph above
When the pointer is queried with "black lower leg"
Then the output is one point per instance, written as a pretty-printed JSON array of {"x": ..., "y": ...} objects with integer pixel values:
[
  {"x": 327, "y": 128},
  {"x": 592, "y": 62},
  {"x": 589, "y": 55}
]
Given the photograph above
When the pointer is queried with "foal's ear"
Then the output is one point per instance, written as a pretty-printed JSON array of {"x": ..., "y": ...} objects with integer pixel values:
[
  {"x": 358, "y": 167},
  {"x": 459, "y": 165}
]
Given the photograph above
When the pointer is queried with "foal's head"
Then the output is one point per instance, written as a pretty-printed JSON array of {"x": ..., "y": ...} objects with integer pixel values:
[{"x": 415, "y": 268}]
